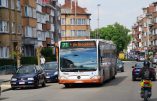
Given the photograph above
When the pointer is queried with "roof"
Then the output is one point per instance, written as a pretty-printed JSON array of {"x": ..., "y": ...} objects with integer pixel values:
[{"x": 70, "y": 5}]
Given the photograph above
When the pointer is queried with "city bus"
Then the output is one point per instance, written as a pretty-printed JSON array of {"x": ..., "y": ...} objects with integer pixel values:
[{"x": 86, "y": 61}]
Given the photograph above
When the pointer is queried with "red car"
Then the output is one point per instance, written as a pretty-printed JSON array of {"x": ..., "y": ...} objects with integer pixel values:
[{"x": 136, "y": 72}]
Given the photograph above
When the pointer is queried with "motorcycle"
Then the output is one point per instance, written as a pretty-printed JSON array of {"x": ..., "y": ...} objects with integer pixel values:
[{"x": 146, "y": 86}]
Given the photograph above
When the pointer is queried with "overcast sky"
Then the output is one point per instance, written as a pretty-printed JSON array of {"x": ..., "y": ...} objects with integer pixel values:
[{"x": 124, "y": 12}]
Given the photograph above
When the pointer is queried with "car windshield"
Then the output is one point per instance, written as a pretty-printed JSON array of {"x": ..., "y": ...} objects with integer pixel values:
[
  {"x": 78, "y": 59},
  {"x": 139, "y": 65},
  {"x": 26, "y": 70},
  {"x": 119, "y": 61},
  {"x": 50, "y": 66}
]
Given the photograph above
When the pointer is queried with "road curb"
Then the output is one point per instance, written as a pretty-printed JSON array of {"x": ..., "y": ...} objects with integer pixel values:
[
  {"x": 6, "y": 89},
  {"x": 4, "y": 86}
]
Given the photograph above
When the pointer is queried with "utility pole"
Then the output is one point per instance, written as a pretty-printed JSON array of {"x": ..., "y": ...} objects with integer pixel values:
[{"x": 97, "y": 36}]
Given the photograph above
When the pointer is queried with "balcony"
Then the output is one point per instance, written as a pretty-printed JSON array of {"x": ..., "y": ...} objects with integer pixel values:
[
  {"x": 46, "y": 26},
  {"x": 46, "y": 10}
]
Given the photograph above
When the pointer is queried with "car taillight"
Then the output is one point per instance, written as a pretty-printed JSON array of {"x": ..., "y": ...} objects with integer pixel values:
[{"x": 134, "y": 70}]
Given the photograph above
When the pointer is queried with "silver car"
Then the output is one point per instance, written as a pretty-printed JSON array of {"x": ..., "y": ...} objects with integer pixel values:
[{"x": 120, "y": 65}]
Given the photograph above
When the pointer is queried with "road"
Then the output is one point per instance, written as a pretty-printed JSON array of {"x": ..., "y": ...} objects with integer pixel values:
[{"x": 120, "y": 89}]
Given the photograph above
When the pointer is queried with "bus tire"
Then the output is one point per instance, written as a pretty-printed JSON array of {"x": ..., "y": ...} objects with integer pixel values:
[{"x": 67, "y": 85}]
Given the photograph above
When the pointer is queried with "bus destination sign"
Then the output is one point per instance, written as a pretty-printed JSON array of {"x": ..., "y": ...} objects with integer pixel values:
[{"x": 78, "y": 44}]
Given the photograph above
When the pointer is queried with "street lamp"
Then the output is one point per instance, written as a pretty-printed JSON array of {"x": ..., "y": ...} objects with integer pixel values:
[{"x": 97, "y": 35}]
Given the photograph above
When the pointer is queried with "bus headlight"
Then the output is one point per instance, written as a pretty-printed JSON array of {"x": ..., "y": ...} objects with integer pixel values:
[
  {"x": 95, "y": 77},
  {"x": 62, "y": 78}
]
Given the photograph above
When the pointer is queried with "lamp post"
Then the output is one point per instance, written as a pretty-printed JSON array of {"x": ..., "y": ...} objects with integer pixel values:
[{"x": 97, "y": 35}]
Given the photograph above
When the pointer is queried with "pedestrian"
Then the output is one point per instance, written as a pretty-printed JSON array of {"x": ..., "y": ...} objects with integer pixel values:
[{"x": 42, "y": 60}]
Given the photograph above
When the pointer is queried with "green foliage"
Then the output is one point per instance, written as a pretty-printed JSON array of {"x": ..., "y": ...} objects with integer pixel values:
[
  {"x": 29, "y": 60},
  {"x": 49, "y": 59},
  {"x": 47, "y": 52},
  {"x": 7, "y": 62},
  {"x": 117, "y": 33}
]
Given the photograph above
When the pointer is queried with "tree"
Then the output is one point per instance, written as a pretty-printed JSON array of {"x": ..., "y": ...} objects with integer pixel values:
[{"x": 117, "y": 33}]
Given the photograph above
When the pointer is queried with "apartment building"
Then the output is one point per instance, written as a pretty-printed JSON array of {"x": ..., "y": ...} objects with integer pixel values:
[
  {"x": 10, "y": 27},
  {"x": 75, "y": 21},
  {"x": 29, "y": 23},
  {"x": 41, "y": 24},
  {"x": 145, "y": 29}
]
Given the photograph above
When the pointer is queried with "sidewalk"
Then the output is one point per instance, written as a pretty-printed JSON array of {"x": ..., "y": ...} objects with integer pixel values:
[{"x": 5, "y": 82}]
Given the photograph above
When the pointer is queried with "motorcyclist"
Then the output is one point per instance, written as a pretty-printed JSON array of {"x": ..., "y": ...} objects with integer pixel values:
[
  {"x": 146, "y": 76},
  {"x": 145, "y": 71}
]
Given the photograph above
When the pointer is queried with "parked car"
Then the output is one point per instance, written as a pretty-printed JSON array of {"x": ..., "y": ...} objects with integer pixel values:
[
  {"x": 137, "y": 70},
  {"x": 141, "y": 58},
  {"x": 28, "y": 76},
  {"x": 51, "y": 70},
  {"x": 155, "y": 59},
  {"x": 120, "y": 65}
]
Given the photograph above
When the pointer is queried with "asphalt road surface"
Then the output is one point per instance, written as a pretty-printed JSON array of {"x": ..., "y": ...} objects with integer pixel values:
[{"x": 120, "y": 89}]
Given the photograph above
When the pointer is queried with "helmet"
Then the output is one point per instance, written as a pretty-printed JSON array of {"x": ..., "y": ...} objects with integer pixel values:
[{"x": 146, "y": 64}]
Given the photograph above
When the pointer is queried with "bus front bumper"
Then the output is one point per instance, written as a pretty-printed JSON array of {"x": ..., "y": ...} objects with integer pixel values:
[{"x": 97, "y": 81}]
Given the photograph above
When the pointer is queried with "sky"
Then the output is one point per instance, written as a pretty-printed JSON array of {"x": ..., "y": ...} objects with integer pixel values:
[{"x": 124, "y": 12}]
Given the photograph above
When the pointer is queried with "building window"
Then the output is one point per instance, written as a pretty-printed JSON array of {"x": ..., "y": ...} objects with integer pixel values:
[
  {"x": 4, "y": 28},
  {"x": 4, "y": 52},
  {"x": 39, "y": 34},
  {"x": 12, "y": 4},
  {"x": 63, "y": 33},
  {"x": 63, "y": 21},
  {"x": 13, "y": 27},
  {"x": 18, "y": 5},
  {"x": 4, "y": 3},
  {"x": 30, "y": 12},
  {"x": 34, "y": 13},
  {"x": 28, "y": 31}
]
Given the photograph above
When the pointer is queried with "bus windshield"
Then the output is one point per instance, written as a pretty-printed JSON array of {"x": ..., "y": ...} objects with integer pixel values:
[{"x": 78, "y": 59}]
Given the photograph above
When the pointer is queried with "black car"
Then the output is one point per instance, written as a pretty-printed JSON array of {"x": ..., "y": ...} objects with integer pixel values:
[
  {"x": 137, "y": 71},
  {"x": 28, "y": 76},
  {"x": 120, "y": 65},
  {"x": 51, "y": 70}
]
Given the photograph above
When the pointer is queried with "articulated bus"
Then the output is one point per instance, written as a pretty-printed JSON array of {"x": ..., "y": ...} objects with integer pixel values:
[{"x": 86, "y": 61}]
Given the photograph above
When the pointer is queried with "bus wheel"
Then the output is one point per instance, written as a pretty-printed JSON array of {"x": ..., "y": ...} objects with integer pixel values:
[{"x": 67, "y": 85}]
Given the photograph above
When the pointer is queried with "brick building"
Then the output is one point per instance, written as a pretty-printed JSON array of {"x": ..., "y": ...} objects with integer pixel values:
[
  {"x": 27, "y": 24},
  {"x": 75, "y": 21},
  {"x": 145, "y": 30},
  {"x": 10, "y": 27}
]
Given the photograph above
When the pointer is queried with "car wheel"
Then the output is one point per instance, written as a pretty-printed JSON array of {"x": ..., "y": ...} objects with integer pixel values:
[
  {"x": 122, "y": 70},
  {"x": 36, "y": 85},
  {"x": 133, "y": 78},
  {"x": 13, "y": 88},
  {"x": 154, "y": 78},
  {"x": 44, "y": 84}
]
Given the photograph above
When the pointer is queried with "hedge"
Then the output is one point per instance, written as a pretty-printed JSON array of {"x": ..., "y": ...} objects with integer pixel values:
[{"x": 25, "y": 60}]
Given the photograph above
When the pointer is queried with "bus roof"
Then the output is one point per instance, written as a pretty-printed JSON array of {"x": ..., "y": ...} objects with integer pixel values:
[{"x": 99, "y": 40}]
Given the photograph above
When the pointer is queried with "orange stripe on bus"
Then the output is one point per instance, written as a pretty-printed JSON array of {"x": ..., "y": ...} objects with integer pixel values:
[{"x": 80, "y": 81}]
